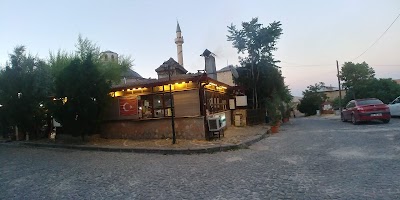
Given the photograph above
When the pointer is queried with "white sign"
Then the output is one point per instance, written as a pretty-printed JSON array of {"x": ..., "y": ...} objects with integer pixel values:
[
  {"x": 232, "y": 104},
  {"x": 241, "y": 101}
]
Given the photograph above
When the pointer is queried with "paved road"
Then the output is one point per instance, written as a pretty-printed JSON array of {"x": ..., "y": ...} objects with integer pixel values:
[{"x": 311, "y": 158}]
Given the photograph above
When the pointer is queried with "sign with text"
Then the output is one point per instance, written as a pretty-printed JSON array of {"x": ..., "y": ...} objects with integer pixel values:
[{"x": 128, "y": 106}]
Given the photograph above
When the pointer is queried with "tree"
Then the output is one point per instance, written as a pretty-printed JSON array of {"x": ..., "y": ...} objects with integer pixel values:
[
  {"x": 383, "y": 89},
  {"x": 24, "y": 86},
  {"x": 258, "y": 43},
  {"x": 82, "y": 84},
  {"x": 80, "y": 110},
  {"x": 312, "y": 99},
  {"x": 353, "y": 74}
]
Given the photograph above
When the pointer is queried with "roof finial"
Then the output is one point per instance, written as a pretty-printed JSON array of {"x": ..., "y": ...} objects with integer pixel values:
[{"x": 178, "y": 28}]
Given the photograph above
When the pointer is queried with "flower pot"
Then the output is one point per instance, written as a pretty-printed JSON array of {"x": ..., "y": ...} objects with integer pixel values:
[
  {"x": 274, "y": 129},
  {"x": 285, "y": 120}
]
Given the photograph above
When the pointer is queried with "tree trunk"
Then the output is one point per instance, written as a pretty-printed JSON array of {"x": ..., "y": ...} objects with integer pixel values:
[
  {"x": 254, "y": 84},
  {"x": 258, "y": 77}
]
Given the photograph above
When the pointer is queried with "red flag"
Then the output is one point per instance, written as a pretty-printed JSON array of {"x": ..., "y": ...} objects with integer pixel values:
[{"x": 128, "y": 106}]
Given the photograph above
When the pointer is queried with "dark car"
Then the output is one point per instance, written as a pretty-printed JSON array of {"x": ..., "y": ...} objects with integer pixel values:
[{"x": 366, "y": 110}]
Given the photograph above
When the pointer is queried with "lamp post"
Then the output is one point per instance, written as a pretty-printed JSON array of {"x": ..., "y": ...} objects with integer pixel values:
[
  {"x": 171, "y": 105},
  {"x": 19, "y": 94}
]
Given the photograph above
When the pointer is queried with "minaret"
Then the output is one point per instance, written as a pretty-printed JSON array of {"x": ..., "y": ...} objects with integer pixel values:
[{"x": 179, "y": 42}]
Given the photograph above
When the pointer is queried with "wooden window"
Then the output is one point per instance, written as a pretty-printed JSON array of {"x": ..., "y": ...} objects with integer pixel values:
[
  {"x": 216, "y": 102},
  {"x": 155, "y": 105}
]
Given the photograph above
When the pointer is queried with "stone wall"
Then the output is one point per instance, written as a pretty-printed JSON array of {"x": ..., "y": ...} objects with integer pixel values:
[{"x": 185, "y": 128}]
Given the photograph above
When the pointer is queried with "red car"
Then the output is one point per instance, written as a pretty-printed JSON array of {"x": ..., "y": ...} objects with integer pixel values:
[{"x": 366, "y": 110}]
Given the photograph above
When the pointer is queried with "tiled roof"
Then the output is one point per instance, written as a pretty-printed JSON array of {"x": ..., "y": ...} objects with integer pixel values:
[
  {"x": 174, "y": 65},
  {"x": 130, "y": 74},
  {"x": 143, "y": 82},
  {"x": 224, "y": 69}
]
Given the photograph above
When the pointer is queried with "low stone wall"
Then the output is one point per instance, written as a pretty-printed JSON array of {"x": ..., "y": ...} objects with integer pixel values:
[{"x": 185, "y": 128}]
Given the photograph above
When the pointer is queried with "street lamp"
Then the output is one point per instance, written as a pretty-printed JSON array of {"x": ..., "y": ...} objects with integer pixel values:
[
  {"x": 19, "y": 94},
  {"x": 168, "y": 67}
]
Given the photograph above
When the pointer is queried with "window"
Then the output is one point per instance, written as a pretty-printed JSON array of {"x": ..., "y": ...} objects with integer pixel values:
[
  {"x": 216, "y": 102},
  {"x": 112, "y": 57},
  {"x": 146, "y": 107},
  {"x": 369, "y": 102},
  {"x": 155, "y": 106},
  {"x": 351, "y": 104},
  {"x": 105, "y": 57},
  {"x": 158, "y": 105}
]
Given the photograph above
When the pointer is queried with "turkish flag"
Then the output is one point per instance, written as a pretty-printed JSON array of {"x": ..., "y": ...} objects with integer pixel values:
[{"x": 128, "y": 106}]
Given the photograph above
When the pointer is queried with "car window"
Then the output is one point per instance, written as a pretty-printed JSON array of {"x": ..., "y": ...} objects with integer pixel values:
[
  {"x": 396, "y": 101},
  {"x": 350, "y": 104},
  {"x": 369, "y": 102}
]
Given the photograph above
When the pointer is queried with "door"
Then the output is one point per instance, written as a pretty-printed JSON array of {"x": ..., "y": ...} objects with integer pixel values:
[{"x": 349, "y": 109}]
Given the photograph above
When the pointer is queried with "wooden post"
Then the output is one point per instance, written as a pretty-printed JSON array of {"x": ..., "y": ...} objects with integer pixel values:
[{"x": 340, "y": 90}]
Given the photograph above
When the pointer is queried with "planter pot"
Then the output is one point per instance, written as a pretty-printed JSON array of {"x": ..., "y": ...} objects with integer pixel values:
[{"x": 274, "y": 129}]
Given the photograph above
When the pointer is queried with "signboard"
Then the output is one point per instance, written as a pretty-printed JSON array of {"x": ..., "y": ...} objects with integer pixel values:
[
  {"x": 241, "y": 101},
  {"x": 128, "y": 106},
  {"x": 232, "y": 104}
]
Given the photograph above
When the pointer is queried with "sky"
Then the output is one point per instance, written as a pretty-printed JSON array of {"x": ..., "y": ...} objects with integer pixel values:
[{"x": 315, "y": 33}]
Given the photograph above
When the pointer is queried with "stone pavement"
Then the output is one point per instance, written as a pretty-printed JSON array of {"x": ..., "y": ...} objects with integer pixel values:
[
  {"x": 234, "y": 138},
  {"x": 310, "y": 158}
]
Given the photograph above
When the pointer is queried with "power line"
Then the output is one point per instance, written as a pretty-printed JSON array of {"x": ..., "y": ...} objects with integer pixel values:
[{"x": 378, "y": 38}]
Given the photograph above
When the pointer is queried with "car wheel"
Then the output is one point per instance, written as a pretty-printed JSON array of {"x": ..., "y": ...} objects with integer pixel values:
[
  {"x": 353, "y": 119},
  {"x": 342, "y": 118},
  {"x": 386, "y": 121}
]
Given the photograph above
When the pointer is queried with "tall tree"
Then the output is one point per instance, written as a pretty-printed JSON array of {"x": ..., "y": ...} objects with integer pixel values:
[
  {"x": 257, "y": 43},
  {"x": 82, "y": 85},
  {"x": 384, "y": 89},
  {"x": 353, "y": 74},
  {"x": 24, "y": 86},
  {"x": 84, "y": 93}
]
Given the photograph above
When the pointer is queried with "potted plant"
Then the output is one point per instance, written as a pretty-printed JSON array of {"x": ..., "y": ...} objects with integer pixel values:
[
  {"x": 275, "y": 122},
  {"x": 274, "y": 113},
  {"x": 286, "y": 115}
]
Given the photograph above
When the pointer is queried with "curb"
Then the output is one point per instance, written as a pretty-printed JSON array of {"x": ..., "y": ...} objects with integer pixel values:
[{"x": 165, "y": 151}]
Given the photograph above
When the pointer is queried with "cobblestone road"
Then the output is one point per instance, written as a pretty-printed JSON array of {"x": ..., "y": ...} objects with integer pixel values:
[{"x": 311, "y": 158}]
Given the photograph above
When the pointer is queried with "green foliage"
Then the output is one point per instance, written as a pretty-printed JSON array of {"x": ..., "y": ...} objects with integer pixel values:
[
  {"x": 312, "y": 99},
  {"x": 111, "y": 70},
  {"x": 354, "y": 73},
  {"x": 85, "y": 80},
  {"x": 360, "y": 82},
  {"x": 258, "y": 72},
  {"x": 336, "y": 104},
  {"x": 24, "y": 86},
  {"x": 384, "y": 89},
  {"x": 87, "y": 93},
  {"x": 273, "y": 105},
  {"x": 271, "y": 80}
]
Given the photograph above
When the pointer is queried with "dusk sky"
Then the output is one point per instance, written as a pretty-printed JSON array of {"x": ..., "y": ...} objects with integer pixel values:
[{"x": 315, "y": 33}]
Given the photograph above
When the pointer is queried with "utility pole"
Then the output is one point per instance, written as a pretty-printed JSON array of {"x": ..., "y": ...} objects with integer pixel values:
[
  {"x": 340, "y": 88},
  {"x": 172, "y": 107}
]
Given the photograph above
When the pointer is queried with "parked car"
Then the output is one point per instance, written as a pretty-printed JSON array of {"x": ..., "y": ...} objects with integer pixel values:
[
  {"x": 366, "y": 110},
  {"x": 394, "y": 107}
]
